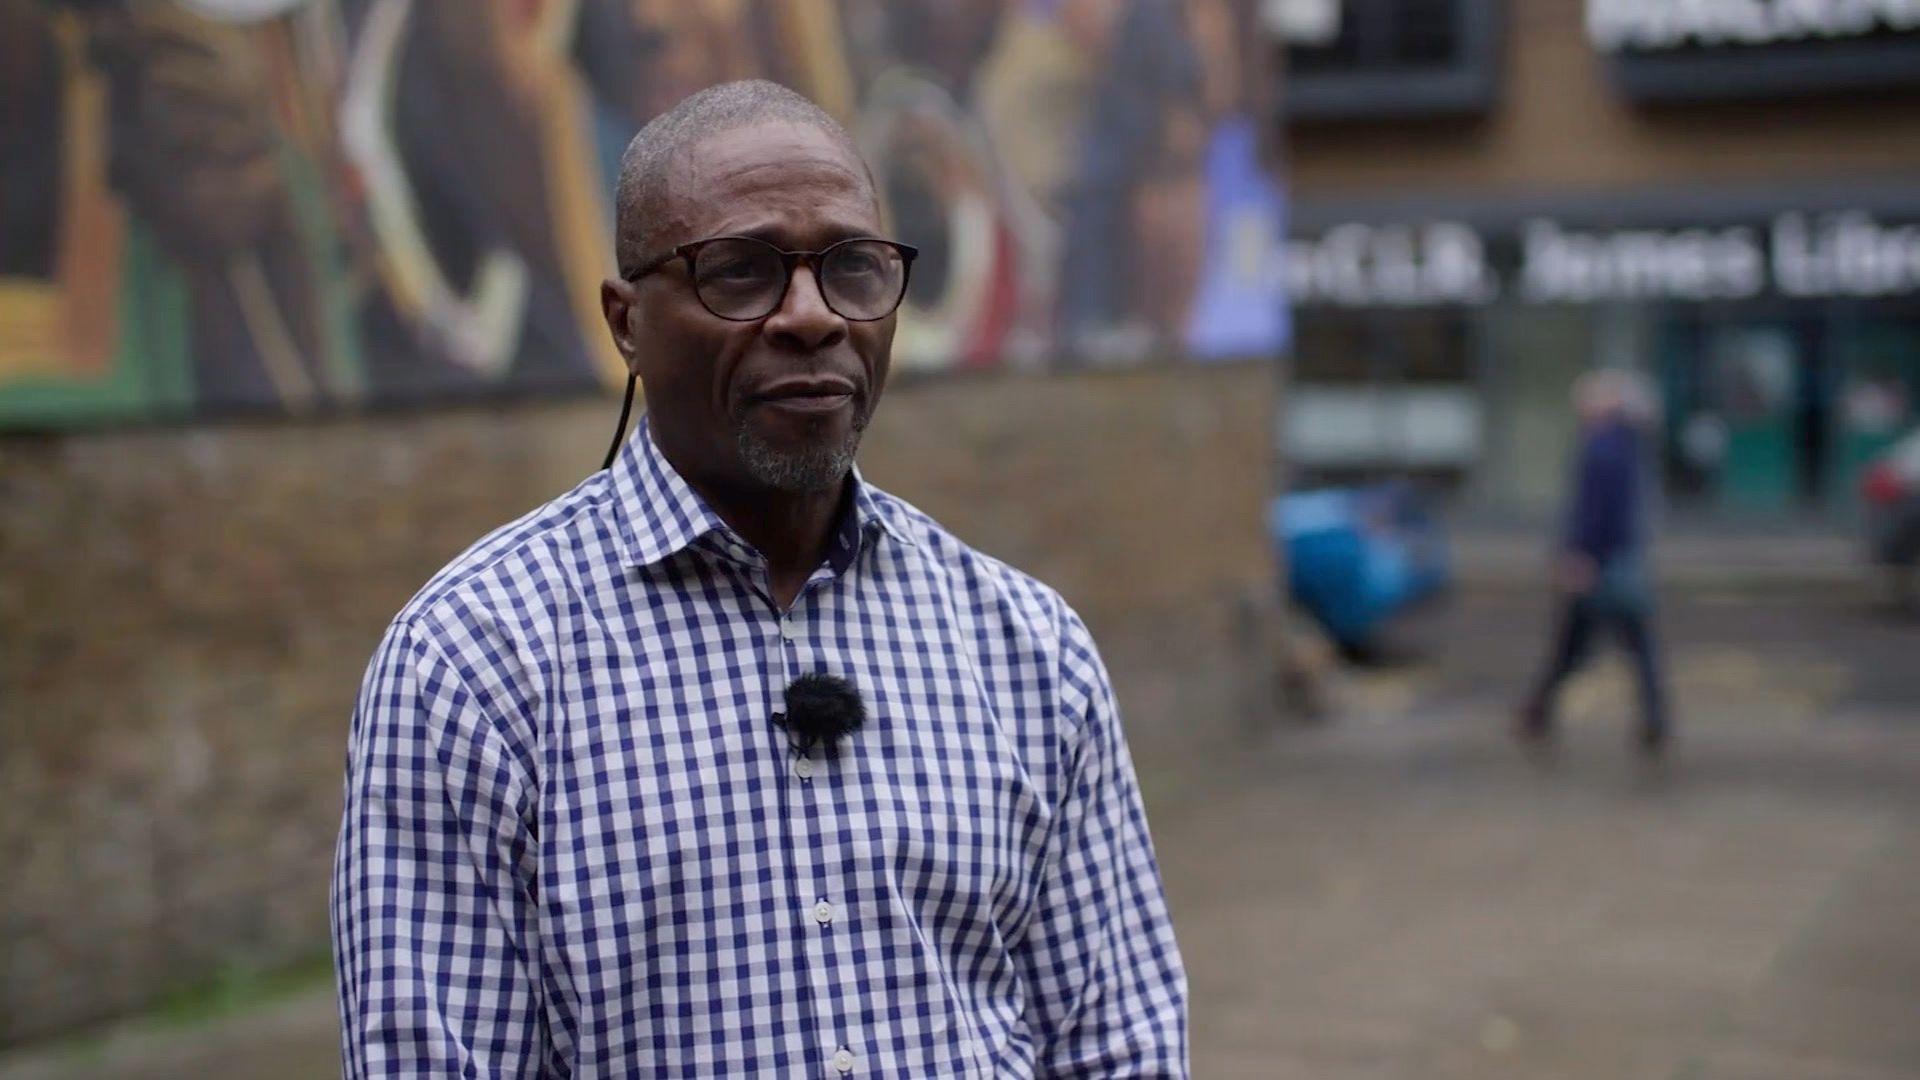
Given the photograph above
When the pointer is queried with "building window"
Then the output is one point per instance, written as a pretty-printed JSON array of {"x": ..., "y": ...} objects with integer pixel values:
[
  {"x": 1387, "y": 59},
  {"x": 1385, "y": 35},
  {"x": 1384, "y": 393}
]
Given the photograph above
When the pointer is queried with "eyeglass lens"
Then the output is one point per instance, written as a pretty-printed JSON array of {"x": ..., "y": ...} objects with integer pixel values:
[{"x": 742, "y": 278}]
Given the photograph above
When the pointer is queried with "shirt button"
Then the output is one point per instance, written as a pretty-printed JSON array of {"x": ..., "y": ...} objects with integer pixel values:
[
  {"x": 788, "y": 630},
  {"x": 803, "y": 768},
  {"x": 843, "y": 1060},
  {"x": 823, "y": 913}
]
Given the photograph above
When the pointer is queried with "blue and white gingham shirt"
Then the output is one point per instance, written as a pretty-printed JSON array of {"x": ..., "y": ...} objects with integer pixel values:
[{"x": 575, "y": 845}]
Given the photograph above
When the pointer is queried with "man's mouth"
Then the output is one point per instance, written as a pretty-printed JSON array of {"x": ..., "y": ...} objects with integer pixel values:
[{"x": 814, "y": 394}]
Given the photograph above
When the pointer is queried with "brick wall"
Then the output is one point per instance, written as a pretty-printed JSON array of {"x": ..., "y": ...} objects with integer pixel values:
[{"x": 185, "y": 616}]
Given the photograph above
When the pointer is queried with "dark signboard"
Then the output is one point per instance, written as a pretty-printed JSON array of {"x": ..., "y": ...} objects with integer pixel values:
[
  {"x": 1686, "y": 245},
  {"x": 1791, "y": 254},
  {"x": 1676, "y": 50}
]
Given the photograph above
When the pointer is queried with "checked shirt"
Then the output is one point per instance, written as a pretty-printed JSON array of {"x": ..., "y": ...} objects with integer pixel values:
[{"x": 576, "y": 845}]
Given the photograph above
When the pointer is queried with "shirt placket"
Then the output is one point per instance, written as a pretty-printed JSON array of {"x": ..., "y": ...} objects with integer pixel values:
[{"x": 813, "y": 784}]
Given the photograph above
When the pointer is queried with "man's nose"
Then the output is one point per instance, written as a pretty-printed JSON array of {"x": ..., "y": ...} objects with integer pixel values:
[{"x": 803, "y": 320}]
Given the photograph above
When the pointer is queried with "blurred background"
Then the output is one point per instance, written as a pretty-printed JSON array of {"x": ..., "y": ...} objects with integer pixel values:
[{"x": 1252, "y": 325}]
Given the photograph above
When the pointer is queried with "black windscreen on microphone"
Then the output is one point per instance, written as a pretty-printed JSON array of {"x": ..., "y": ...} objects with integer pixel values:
[{"x": 821, "y": 709}]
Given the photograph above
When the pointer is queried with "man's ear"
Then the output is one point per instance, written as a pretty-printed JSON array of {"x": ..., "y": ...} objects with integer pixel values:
[{"x": 618, "y": 299}]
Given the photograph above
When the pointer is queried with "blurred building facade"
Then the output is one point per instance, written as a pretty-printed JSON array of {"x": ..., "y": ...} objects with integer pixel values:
[{"x": 1490, "y": 197}]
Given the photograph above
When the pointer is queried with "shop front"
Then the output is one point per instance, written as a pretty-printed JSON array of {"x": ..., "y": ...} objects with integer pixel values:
[{"x": 1780, "y": 329}]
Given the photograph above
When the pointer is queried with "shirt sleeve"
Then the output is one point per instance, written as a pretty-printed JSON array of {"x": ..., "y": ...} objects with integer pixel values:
[
  {"x": 433, "y": 887},
  {"x": 1107, "y": 991}
]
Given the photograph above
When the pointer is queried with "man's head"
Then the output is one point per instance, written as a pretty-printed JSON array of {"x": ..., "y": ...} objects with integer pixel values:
[
  {"x": 777, "y": 402},
  {"x": 1606, "y": 396}
]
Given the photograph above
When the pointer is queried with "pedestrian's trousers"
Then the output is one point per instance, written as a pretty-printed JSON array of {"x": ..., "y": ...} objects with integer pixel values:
[{"x": 1581, "y": 620}]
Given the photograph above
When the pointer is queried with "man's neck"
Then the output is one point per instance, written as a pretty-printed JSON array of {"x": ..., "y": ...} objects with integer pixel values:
[{"x": 791, "y": 530}]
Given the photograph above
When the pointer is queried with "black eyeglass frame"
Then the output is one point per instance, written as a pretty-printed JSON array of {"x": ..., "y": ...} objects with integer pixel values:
[{"x": 813, "y": 260}]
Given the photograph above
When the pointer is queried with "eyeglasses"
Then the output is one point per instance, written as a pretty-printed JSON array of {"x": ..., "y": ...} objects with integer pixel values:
[{"x": 741, "y": 279}]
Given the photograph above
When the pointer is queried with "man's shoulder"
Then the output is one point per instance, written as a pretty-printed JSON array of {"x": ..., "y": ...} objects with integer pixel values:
[
  {"x": 1023, "y": 616},
  {"x": 516, "y": 565},
  {"x": 989, "y": 581}
]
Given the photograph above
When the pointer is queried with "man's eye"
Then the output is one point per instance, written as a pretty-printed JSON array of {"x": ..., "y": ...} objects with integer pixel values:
[
  {"x": 734, "y": 270},
  {"x": 858, "y": 262}
]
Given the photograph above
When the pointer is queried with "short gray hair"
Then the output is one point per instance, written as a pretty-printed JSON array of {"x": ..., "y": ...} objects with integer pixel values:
[
  {"x": 1619, "y": 393},
  {"x": 649, "y": 158}
]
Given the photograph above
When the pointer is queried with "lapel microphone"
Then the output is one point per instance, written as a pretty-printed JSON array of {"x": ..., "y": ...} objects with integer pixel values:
[{"x": 821, "y": 709}]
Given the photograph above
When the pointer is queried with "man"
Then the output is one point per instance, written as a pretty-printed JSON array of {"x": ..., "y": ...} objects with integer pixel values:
[
  {"x": 598, "y": 823},
  {"x": 1602, "y": 564}
]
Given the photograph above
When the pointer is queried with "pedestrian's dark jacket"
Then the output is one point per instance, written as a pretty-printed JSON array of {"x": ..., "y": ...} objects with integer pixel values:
[{"x": 1604, "y": 520}]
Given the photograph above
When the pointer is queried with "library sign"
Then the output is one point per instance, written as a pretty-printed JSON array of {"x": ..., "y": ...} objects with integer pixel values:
[{"x": 1444, "y": 263}]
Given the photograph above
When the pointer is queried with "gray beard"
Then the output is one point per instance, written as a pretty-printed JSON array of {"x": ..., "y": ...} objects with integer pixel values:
[{"x": 814, "y": 468}]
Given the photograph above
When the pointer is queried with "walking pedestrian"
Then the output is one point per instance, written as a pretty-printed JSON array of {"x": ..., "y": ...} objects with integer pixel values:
[{"x": 1602, "y": 559}]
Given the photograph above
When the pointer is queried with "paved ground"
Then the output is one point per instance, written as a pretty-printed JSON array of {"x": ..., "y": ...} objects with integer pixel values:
[
  {"x": 1398, "y": 892},
  {"x": 1401, "y": 893}
]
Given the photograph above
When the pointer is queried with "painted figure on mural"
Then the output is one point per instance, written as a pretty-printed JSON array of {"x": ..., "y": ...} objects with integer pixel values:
[
  {"x": 271, "y": 193},
  {"x": 976, "y": 296},
  {"x": 1170, "y": 175},
  {"x": 483, "y": 256},
  {"x": 39, "y": 335},
  {"x": 1082, "y": 174},
  {"x": 198, "y": 108},
  {"x": 178, "y": 202}
]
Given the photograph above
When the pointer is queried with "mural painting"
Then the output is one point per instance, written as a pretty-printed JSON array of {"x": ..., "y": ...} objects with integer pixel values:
[{"x": 210, "y": 207}]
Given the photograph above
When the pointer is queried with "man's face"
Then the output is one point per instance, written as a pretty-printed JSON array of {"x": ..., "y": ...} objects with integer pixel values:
[{"x": 780, "y": 402}]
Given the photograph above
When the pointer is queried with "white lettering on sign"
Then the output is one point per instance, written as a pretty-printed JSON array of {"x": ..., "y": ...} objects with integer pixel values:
[
  {"x": 1797, "y": 254},
  {"x": 1614, "y": 25},
  {"x": 1360, "y": 265},
  {"x": 1844, "y": 255},
  {"x": 1561, "y": 266}
]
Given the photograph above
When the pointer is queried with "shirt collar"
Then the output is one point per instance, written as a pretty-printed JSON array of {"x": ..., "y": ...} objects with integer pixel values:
[{"x": 660, "y": 515}]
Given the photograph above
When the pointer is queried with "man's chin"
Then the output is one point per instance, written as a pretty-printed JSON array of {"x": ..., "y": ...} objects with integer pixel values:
[{"x": 798, "y": 467}]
